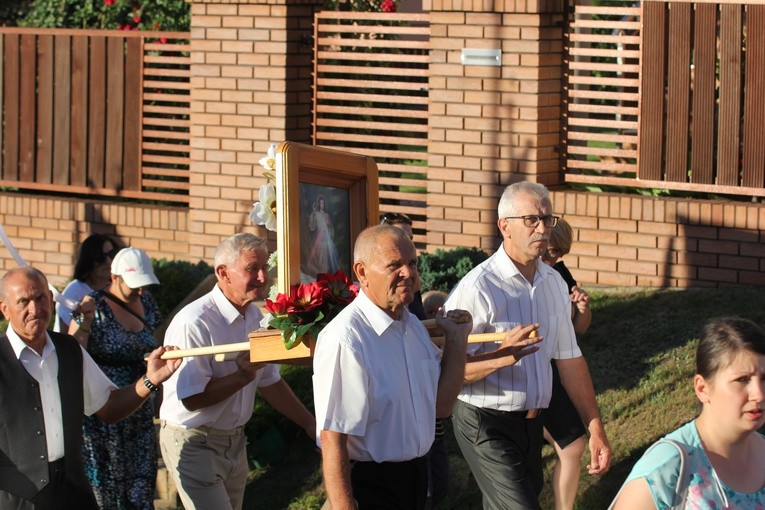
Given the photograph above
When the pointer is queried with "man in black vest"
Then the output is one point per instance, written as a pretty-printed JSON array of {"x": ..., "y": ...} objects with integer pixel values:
[{"x": 47, "y": 384}]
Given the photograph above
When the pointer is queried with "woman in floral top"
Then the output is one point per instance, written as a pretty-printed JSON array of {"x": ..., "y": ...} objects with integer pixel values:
[
  {"x": 726, "y": 454},
  {"x": 121, "y": 459}
]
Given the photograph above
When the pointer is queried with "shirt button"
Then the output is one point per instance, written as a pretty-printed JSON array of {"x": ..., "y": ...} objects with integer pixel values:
[
  {"x": 43, "y": 481},
  {"x": 42, "y": 457},
  {"x": 39, "y": 432},
  {"x": 35, "y": 408}
]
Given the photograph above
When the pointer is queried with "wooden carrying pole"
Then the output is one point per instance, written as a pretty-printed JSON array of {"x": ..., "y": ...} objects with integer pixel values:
[{"x": 268, "y": 346}]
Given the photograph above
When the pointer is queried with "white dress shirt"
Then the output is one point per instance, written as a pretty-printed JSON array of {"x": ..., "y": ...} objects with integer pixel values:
[
  {"x": 211, "y": 320},
  {"x": 96, "y": 387},
  {"x": 376, "y": 379},
  {"x": 500, "y": 298}
]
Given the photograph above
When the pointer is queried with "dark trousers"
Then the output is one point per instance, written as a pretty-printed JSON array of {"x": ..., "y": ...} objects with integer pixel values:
[
  {"x": 390, "y": 485},
  {"x": 504, "y": 453},
  {"x": 59, "y": 494}
]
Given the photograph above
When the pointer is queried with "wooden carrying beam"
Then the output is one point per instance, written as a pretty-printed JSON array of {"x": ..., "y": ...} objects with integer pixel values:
[{"x": 268, "y": 346}]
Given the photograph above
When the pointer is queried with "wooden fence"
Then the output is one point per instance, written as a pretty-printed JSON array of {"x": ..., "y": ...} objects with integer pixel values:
[
  {"x": 371, "y": 97},
  {"x": 668, "y": 95},
  {"x": 95, "y": 112}
]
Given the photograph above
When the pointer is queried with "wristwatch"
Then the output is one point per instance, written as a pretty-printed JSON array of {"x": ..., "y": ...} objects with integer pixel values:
[{"x": 152, "y": 387}]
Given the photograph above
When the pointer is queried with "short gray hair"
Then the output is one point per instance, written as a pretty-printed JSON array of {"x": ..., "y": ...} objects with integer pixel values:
[
  {"x": 30, "y": 272},
  {"x": 368, "y": 241},
  {"x": 230, "y": 249},
  {"x": 506, "y": 205}
]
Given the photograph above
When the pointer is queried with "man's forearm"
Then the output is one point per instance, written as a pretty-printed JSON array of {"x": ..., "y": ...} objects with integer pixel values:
[
  {"x": 217, "y": 390},
  {"x": 336, "y": 467},
  {"x": 281, "y": 397},
  {"x": 575, "y": 377}
]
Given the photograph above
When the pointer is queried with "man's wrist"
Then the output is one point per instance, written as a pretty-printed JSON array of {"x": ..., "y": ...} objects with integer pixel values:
[{"x": 153, "y": 388}]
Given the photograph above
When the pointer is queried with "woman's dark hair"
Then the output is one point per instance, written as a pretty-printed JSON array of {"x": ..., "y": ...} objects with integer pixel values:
[
  {"x": 91, "y": 253},
  {"x": 725, "y": 338}
]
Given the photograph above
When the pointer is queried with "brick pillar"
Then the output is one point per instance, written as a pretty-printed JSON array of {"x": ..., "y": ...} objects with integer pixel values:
[
  {"x": 490, "y": 126},
  {"x": 250, "y": 87}
]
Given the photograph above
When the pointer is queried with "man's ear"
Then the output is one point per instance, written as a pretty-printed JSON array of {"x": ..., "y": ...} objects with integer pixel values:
[
  {"x": 222, "y": 273},
  {"x": 4, "y": 309},
  {"x": 502, "y": 225},
  {"x": 361, "y": 273}
]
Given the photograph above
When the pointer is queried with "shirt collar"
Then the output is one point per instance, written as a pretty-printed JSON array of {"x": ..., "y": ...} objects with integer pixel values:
[
  {"x": 377, "y": 317},
  {"x": 18, "y": 345},
  {"x": 508, "y": 268},
  {"x": 228, "y": 310}
]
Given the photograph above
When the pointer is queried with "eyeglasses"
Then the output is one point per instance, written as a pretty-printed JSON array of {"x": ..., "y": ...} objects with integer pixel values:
[
  {"x": 101, "y": 257},
  {"x": 392, "y": 218},
  {"x": 532, "y": 220}
]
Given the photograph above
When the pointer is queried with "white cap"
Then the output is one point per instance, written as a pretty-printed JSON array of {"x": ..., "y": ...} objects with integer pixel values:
[{"x": 134, "y": 266}]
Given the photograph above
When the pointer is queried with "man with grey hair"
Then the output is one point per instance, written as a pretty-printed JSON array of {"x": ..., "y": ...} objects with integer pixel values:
[
  {"x": 207, "y": 403},
  {"x": 496, "y": 419}
]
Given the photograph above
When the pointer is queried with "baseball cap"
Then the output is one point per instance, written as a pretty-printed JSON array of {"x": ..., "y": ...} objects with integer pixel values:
[{"x": 134, "y": 266}]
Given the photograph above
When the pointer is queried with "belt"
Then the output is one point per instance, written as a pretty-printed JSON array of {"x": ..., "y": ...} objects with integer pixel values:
[
  {"x": 210, "y": 431},
  {"x": 529, "y": 414}
]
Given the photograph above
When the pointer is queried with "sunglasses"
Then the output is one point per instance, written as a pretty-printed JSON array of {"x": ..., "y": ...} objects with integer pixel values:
[
  {"x": 101, "y": 257},
  {"x": 393, "y": 217}
]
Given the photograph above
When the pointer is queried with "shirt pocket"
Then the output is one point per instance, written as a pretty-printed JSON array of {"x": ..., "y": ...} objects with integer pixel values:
[{"x": 432, "y": 370}]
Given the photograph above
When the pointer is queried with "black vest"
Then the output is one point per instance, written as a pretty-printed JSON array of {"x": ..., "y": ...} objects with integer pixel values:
[{"x": 23, "y": 447}]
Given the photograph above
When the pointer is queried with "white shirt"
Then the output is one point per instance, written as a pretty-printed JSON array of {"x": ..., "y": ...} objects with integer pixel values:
[
  {"x": 211, "y": 320},
  {"x": 75, "y": 290},
  {"x": 96, "y": 387},
  {"x": 376, "y": 379},
  {"x": 499, "y": 298}
]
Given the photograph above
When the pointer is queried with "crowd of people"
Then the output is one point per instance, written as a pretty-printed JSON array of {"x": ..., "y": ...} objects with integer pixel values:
[{"x": 79, "y": 433}]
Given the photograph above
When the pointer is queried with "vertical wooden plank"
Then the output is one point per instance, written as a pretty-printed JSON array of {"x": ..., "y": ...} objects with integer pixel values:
[
  {"x": 115, "y": 105},
  {"x": 133, "y": 109},
  {"x": 96, "y": 111},
  {"x": 753, "y": 163},
  {"x": 62, "y": 113},
  {"x": 44, "y": 158},
  {"x": 652, "y": 74},
  {"x": 79, "y": 138},
  {"x": 704, "y": 83},
  {"x": 11, "y": 70},
  {"x": 678, "y": 91},
  {"x": 27, "y": 111},
  {"x": 2, "y": 114},
  {"x": 729, "y": 118}
]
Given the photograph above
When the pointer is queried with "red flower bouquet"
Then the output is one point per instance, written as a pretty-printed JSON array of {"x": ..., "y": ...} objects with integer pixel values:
[{"x": 310, "y": 306}]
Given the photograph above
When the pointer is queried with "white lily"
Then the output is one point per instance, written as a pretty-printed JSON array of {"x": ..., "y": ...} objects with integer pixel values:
[
  {"x": 269, "y": 160},
  {"x": 264, "y": 210}
]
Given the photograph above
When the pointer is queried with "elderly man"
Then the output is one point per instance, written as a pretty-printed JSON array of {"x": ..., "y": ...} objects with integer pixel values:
[
  {"x": 48, "y": 382},
  {"x": 496, "y": 419},
  {"x": 207, "y": 403},
  {"x": 379, "y": 382}
]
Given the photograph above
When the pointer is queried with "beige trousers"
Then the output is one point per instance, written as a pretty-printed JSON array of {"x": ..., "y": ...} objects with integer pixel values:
[{"x": 209, "y": 466}]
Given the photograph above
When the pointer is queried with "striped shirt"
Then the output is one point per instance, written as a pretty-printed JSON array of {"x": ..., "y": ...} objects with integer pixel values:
[{"x": 500, "y": 298}]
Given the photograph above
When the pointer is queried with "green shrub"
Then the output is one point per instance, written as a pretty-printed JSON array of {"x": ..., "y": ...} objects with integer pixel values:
[
  {"x": 171, "y": 15},
  {"x": 442, "y": 270},
  {"x": 177, "y": 279}
]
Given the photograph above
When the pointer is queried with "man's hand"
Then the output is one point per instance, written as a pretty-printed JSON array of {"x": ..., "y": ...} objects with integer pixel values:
[
  {"x": 247, "y": 369},
  {"x": 159, "y": 370},
  {"x": 456, "y": 324},
  {"x": 519, "y": 342},
  {"x": 600, "y": 451}
]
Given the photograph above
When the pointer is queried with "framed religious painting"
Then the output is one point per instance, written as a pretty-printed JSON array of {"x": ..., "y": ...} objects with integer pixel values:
[{"x": 325, "y": 199}]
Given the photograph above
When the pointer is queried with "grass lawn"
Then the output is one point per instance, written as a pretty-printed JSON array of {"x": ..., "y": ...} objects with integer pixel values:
[{"x": 640, "y": 349}]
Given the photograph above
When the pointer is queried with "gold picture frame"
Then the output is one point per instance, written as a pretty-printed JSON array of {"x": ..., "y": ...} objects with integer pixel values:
[{"x": 305, "y": 175}]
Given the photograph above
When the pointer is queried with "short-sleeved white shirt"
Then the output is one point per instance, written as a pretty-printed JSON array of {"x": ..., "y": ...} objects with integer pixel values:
[
  {"x": 96, "y": 387},
  {"x": 211, "y": 320},
  {"x": 75, "y": 290},
  {"x": 376, "y": 379},
  {"x": 499, "y": 298}
]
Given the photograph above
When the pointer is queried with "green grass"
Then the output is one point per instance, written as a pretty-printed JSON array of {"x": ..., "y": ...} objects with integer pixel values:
[{"x": 640, "y": 350}]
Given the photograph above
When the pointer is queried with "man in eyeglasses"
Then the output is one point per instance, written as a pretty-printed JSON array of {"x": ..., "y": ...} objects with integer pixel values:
[{"x": 496, "y": 419}]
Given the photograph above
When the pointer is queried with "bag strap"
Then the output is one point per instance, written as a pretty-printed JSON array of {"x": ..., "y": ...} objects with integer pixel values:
[
  {"x": 124, "y": 305},
  {"x": 683, "y": 476}
]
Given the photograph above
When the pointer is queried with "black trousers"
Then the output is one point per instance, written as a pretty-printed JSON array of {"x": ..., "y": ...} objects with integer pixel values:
[
  {"x": 390, "y": 485},
  {"x": 504, "y": 453},
  {"x": 59, "y": 494}
]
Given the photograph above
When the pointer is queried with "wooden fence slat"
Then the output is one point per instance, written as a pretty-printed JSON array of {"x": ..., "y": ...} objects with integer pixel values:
[
  {"x": 79, "y": 135},
  {"x": 97, "y": 112},
  {"x": 133, "y": 104},
  {"x": 12, "y": 72},
  {"x": 753, "y": 164},
  {"x": 62, "y": 109},
  {"x": 678, "y": 91},
  {"x": 704, "y": 78},
  {"x": 115, "y": 112},
  {"x": 729, "y": 116},
  {"x": 651, "y": 148},
  {"x": 27, "y": 110},
  {"x": 45, "y": 62}
]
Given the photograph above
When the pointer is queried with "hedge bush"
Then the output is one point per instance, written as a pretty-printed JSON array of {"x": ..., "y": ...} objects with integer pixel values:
[
  {"x": 177, "y": 279},
  {"x": 442, "y": 270}
]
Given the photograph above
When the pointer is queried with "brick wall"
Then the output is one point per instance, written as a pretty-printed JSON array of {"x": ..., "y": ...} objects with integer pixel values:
[
  {"x": 250, "y": 87},
  {"x": 47, "y": 231}
]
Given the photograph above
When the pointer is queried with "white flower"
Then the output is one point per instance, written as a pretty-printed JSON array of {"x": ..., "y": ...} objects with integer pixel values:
[
  {"x": 269, "y": 160},
  {"x": 264, "y": 210}
]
